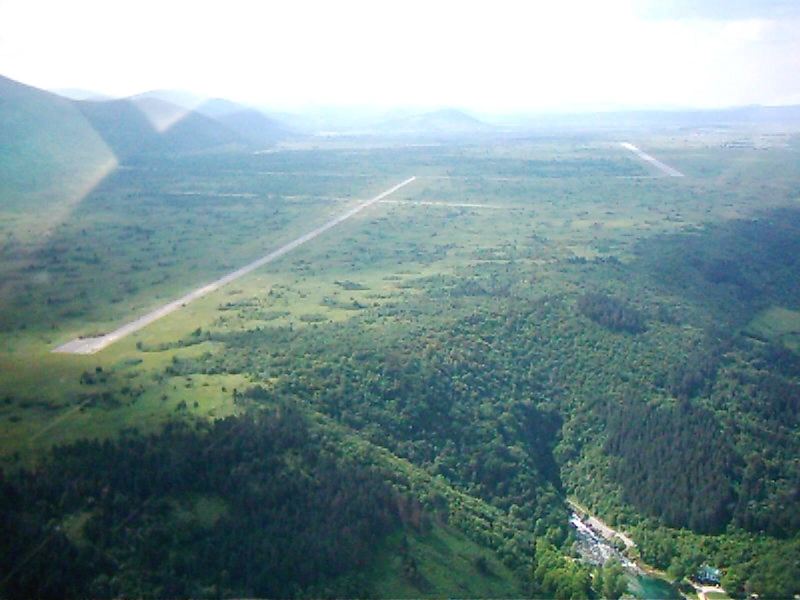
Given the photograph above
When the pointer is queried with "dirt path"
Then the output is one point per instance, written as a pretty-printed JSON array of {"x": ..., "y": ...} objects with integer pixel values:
[
  {"x": 664, "y": 168},
  {"x": 90, "y": 345}
]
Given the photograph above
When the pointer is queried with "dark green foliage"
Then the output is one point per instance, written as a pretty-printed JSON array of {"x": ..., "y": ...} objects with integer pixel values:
[
  {"x": 780, "y": 359},
  {"x": 694, "y": 373},
  {"x": 611, "y": 581},
  {"x": 764, "y": 492},
  {"x": 734, "y": 269},
  {"x": 675, "y": 464},
  {"x": 773, "y": 574},
  {"x": 555, "y": 576},
  {"x": 612, "y": 313},
  {"x": 295, "y": 517},
  {"x": 447, "y": 401}
]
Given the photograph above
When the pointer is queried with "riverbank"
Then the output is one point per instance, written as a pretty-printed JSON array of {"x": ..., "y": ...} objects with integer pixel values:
[
  {"x": 597, "y": 538},
  {"x": 599, "y": 526},
  {"x": 596, "y": 541}
]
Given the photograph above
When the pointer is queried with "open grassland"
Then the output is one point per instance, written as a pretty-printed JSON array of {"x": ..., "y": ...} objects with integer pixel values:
[
  {"x": 150, "y": 232},
  {"x": 491, "y": 333}
]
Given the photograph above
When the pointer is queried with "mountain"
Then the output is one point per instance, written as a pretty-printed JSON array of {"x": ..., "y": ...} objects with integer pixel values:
[
  {"x": 447, "y": 121},
  {"x": 180, "y": 98},
  {"x": 627, "y": 119},
  {"x": 250, "y": 123},
  {"x": 50, "y": 154},
  {"x": 219, "y": 107},
  {"x": 139, "y": 124},
  {"x": 80, "y": 94}
]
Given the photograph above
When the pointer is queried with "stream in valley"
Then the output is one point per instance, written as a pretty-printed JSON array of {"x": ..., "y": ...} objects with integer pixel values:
[{"x": 595, "y": 549}]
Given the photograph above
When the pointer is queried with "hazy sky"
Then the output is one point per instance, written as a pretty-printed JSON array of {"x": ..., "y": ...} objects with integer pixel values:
[{"x": 487, "y": 56}]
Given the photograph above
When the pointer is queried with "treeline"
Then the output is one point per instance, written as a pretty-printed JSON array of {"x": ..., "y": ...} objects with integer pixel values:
[
  {"x": 476, "y": 397},
  {"x": 556, "y": 576},
  {"x": 695, "y": 373},
  {"x": 248, "y": 506}
]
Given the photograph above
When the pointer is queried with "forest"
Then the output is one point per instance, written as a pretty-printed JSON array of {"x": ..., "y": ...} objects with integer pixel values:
[
  {"x": 258, "y": 505},
  {"x": 405, "y": 406}
]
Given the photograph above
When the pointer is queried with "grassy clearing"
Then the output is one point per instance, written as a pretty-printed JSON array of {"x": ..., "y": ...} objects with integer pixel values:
[
  {"x": 777, "y": 324},
  {"x": 442, "y": 562}
]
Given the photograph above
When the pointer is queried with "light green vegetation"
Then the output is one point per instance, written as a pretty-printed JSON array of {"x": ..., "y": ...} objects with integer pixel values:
[
  {"x": 440, "y": 562},
  {"x": 777, "y": 324},
  {"x": 152, "y": 231},
  {"x": 554, "y": 219}
]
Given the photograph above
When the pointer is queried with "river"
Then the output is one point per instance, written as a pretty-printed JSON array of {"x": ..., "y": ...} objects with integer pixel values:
[{"x": 594, "y": 549}]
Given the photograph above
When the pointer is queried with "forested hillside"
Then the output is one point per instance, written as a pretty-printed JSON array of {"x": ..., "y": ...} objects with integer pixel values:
[
  {"x": 680, "y": 420},
  {"x": 413, "y": 403}
]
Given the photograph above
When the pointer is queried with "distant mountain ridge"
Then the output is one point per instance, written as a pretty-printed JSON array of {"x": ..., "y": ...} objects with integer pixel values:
[
  {"x": 80, "y": 94},
  {"x": 46, "y": 127},
  {"x": 135, "y": 126},
  {"x": 249, "y": 123},
  {"x": 49, "y": 153},
  {"x": 448, "y": 121}
]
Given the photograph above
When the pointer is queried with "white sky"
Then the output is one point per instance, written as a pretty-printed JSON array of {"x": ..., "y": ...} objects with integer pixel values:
[{"x": 485, "y": 56}]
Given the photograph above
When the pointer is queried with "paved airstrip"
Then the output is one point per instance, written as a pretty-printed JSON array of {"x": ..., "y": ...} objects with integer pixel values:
[
  {"x": 90, "y": 345},
  {"x": 664, "y": 168}
]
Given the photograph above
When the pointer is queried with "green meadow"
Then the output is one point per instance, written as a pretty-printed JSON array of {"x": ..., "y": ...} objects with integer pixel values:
[{"x": 477, "y": 339}]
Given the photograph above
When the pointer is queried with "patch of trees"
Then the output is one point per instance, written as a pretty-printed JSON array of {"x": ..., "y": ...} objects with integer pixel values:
[
  {"x": 780, "y": 359},
  {"x": 694, "y": 373},
  {"x": 292, "y": 518},
  {"x": 694, "y": 376},
  {"x": 477, "y": 393},
  {"x": 611, "y": 580},
  {"x": 555, "y": 576},
  {"x": 750, "y": 565},
  {"x": 674, "y": 463},
  {"x": 766, "y": 490},
  {"x": 611, "y": 313},
  {"x": 774, "y": 398}
]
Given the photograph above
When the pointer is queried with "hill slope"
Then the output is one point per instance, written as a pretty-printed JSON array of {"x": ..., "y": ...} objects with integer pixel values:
[
  {"x": 50, "y": 154},
  {"x": 148, "y": 125},
  {"x": 249, "y": 123}
]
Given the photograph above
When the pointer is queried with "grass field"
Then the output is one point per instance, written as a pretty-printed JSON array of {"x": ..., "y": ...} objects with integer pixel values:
[
  {"x": 488, "y": 230},
  {"x": 149, "y": 233},
  {"x": 777, "y": 324},
  {"x": 439, "y": 562}
]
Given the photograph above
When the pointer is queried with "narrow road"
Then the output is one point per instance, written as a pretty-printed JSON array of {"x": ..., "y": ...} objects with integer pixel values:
[
  {"x": 90, "y": 345},
  {"x": 601, "y": 527},
  {"x": 653, "y": 161}
]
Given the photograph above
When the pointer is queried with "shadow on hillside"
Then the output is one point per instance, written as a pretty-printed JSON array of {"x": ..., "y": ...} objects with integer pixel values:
[{"x": 735, "y": 268}]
